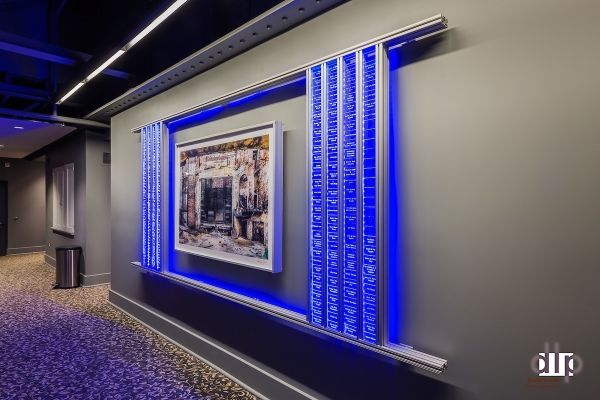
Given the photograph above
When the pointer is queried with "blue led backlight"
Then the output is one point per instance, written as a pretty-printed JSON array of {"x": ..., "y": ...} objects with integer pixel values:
[
  {"x": 332, "y": 198},
  {"x": 151, "y": 196},
  {"x": 344, "y": 283},
  {"x": 369, "y": 198},
  {"x": 316, "y": 197},
  {"x": 350, "y": 285}
]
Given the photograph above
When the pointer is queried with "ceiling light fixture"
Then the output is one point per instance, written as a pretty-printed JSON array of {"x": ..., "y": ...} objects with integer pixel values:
[
  {"x": 18, "y": 127},
  {"x": 128, "y": 46},
  {"x": 104, "y": 65}
]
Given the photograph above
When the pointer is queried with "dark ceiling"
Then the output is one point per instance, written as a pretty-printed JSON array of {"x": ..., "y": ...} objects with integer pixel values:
[{"x": 47, "y": 46}]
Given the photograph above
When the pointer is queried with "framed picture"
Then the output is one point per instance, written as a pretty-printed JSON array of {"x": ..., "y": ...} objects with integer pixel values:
[{"x": 228, "y": 196}]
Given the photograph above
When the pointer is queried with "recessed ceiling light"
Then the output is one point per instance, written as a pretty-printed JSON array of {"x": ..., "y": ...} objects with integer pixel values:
[{"x": 18, "y": 127}]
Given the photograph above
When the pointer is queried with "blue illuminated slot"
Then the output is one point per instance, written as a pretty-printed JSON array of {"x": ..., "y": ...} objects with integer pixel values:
[
  {"x": 316, "y": 198},
  {"x": 332, "y": 198},
  {"x": 145, "y": 207},
  {"x": 151, "y": 196},
  {"x": 369, "y": 197},
  {"x": 350, "y": 284}
]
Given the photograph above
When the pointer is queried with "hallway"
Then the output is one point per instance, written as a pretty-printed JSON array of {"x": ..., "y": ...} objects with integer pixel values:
[{"x": 71, "y": 344}]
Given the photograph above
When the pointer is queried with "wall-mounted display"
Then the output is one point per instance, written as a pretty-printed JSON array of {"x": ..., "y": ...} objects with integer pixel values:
[
  {"x": 228, "y": 197},
  {"x": 222, "y": 200},
  {"x": 344, "y": 112},
  {"x": 63, "y": 197},
  {"x": 152, "y": 154}
]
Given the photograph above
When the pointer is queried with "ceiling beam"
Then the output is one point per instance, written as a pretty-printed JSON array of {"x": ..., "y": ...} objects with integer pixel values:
[
  {"x": 59, "y": 7},
  {"x": 53, "y": 118},
  {"x": 55, "y": 54},
  {"x": 23, "y": 92}
]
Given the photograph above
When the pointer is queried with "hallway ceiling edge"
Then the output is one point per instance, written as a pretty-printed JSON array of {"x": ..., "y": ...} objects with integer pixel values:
[{"x": 273, "y": 22}]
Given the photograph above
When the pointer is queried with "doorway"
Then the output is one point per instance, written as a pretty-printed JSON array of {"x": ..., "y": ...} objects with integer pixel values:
[{"x": 3, "y": 217}]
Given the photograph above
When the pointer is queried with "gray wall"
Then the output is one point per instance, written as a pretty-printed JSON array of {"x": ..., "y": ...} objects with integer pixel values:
[
  {"x": 495, "y": 136},
  {"x": 290, "y": 286},
  {"x": 92, "y": 203},
  {"x": 97, "y": 210},
  {"x": 70, "y": 150},
  {"x": 26, "y": 218}
]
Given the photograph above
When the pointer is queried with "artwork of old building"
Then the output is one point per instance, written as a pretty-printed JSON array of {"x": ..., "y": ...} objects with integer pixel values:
[{"x": 225, "y": 197}]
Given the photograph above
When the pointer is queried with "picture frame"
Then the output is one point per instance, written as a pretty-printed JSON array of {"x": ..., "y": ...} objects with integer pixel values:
[{"x": 228, "y": 196}]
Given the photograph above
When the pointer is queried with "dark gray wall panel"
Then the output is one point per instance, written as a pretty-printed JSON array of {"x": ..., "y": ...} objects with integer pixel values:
[
  {"x": 72, "y": 150},
  {"x": 92, "y": 203},
  {"x": 26, "y": 218},
  {"x": 97, "y": 207}
]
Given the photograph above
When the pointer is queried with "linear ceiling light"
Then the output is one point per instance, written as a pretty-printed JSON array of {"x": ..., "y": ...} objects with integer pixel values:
[
  {"x": 104, "y": 65},
  {"x": 128, "y": 46}
]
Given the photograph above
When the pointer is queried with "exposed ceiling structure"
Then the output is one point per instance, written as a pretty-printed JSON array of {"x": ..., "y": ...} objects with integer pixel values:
[{"x": 47, "y": 46}]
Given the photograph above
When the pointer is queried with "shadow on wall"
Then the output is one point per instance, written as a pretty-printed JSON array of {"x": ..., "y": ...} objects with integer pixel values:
[
  {"x": 334, "y": 368},
  {"x": 399, "y": 292}
]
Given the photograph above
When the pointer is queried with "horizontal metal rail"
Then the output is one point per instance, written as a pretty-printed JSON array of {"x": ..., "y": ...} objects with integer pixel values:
[
  {"x": 408, "y": 33},
  {"x": 402, "y": 353}
]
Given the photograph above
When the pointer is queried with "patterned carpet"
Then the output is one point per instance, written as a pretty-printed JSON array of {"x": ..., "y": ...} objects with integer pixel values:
[{"x": 71, "y": 344}]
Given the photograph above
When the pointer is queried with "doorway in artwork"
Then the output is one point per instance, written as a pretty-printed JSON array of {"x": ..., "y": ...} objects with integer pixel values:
[{"x": 3, "y": 217}]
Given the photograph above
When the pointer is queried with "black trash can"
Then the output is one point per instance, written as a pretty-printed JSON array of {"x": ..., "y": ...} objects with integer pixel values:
[{"x": 67, "y": 266}]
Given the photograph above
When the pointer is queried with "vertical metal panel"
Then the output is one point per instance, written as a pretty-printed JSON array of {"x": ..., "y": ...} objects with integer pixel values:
[
  {"x": 382, "y": 191},
  {"x": 317, "y": 284},
  {"x": 369, "y": 203},
  {"x": 144, "y": 143},
  {"x": 332, "y": 197},
  {"x": 350, "y": 270},
  {"x": 344, "y": 117},
  {"x": 151, "y": 141}
]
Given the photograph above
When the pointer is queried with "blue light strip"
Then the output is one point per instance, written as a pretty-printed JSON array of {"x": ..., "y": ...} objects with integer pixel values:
[
  {"x": 369, "y": 203},
  {"x": 332, "y": 198},
  {"x": 145, "y": 204},
  {"x": 316, "y": 197},
  {"x": 151, "y": 196},
  {"x": 350, "y": 273}
]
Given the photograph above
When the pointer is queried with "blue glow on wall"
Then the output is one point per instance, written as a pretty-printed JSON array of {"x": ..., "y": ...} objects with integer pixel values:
[
  {"x": 174, "y": 261},
  {"x": 151, "y": 139},
  {"x": 194, "y": 119},
  {"x": 332, "y": 197},
  {"x": 233, "y": 288},
  {"x": 350, "y": 285},
  {"x": 369, "y": 203},
  {"x": 222, "y": 110},
  {"x": 316, "y": 198},
  {"x": 396, "y": 218}
]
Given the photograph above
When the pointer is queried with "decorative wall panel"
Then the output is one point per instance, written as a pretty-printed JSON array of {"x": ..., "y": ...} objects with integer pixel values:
[
  {"x": 151, "y": 139},
  {"x": 317, "y": 283},
  {"x": 343, "y": 203}
]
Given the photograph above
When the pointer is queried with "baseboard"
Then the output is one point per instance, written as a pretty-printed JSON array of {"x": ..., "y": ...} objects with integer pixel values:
[
  {"x": 84, "y": 280},
  {"x": 261, "y": 380},
  {"x": 95, "y": 279},
  {"x": 25, "y": 250},
  {"x": 50, "y": 260}
]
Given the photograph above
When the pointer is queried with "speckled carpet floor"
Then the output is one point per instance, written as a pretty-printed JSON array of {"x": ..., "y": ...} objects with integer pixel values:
[{"x": 71, "y": 344}]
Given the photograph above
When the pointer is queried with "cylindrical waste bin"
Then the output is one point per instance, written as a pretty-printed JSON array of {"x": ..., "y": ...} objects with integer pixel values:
[{"x": 67, "y": 266}]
